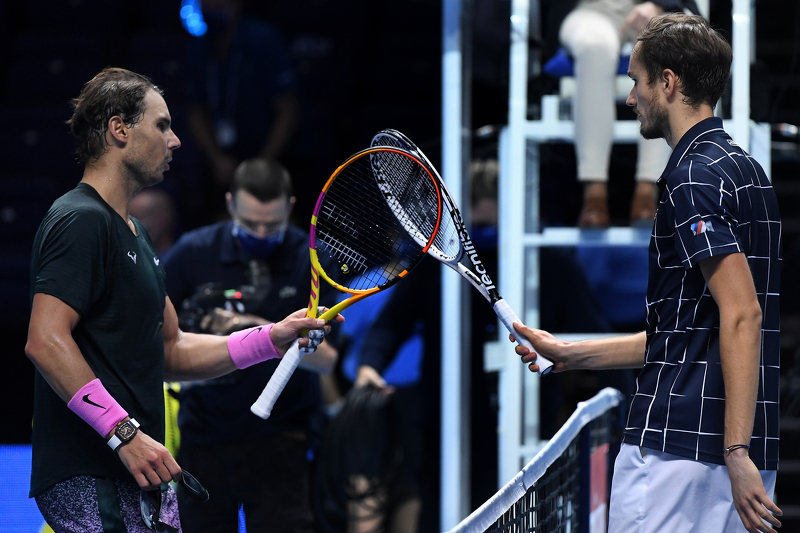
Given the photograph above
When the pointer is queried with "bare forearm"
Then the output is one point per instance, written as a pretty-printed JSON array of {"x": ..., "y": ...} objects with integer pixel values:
[
  {"x": 286, "y": 121},
  {"x": 731, "y": 285},
  {"x": 200, "y": 127},
  {"x": 740, "y": 339},
  {"x": 196, "y": 356},
  {"x": 192, "y": 356},
  {"x": 739, "y": 357},
  {"x": 222, "y": 322},
  {"x": 61, "y": 364},
  {"x": 608, "y": 353},
  {"x": 52, "y": 349}
]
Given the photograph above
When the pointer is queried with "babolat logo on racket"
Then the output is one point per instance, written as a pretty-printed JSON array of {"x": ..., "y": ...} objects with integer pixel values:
[{"x": 469, "y": 248}]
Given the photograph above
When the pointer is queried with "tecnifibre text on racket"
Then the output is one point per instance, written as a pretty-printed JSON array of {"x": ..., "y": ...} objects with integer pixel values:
[
  {"x": 358, "y": 240},
  {"x": 452, "y": 243}
]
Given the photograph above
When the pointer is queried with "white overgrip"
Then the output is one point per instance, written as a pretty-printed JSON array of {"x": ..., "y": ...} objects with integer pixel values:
[
  {"x": 508, "y": 317},
  {"x": 266, "y": 401}
]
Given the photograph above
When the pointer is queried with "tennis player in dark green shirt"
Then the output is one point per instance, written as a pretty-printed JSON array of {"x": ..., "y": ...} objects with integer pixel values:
[{"x": 103, "y": 334}]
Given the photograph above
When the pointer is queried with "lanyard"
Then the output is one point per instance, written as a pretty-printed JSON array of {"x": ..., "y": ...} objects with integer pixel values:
[{"x": 213, "y": 83}]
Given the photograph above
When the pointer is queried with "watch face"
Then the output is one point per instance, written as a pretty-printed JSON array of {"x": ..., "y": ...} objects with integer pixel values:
[{"x": 126, "y": 431}]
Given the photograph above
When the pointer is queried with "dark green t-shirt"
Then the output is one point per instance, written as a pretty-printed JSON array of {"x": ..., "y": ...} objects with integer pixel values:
[{"x": 85, "y": 255}]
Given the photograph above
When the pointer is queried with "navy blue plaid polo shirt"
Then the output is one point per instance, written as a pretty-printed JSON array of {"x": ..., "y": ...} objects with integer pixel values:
[{"x": 715, "y": 199}]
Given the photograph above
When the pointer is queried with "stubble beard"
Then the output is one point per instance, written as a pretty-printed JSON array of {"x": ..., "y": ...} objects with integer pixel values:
[
  {"x": 657, "y": 126},
  {"x": 137, "y": 179}
]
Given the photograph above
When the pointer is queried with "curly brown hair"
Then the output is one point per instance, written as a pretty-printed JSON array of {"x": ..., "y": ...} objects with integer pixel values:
[
  {"x": 698, "y": 55},
  {"x": 112, "y": 92}
]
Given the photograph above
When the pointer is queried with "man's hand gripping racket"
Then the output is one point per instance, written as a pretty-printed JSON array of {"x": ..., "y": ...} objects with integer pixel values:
[
  {"x": 452, "y": 243},
  {"x": 358, "y": 241}
]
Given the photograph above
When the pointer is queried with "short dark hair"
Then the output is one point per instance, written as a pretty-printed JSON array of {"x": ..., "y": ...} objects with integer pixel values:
[
  {"x": 698, "y": 55},
  {"x": 266, "y": 179},
  {"x": 112, "y": 92}
]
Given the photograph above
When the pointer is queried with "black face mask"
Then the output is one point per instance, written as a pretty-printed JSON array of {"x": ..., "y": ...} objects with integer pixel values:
[{"x": 254, "y": 245}]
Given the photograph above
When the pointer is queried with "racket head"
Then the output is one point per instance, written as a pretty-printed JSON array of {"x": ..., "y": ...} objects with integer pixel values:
[
  {"x": 452, "y": 242},
  {"x": 446, "y": 245},
  {"x": 398, "y": 139},
  {"x": 360, "y": 241}
]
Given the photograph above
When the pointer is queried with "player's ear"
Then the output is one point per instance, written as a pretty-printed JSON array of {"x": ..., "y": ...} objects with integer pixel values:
[
  {"x": 117, "y": 130},
  {"x": 668, "y": 83},
  {"x": 292, "y": 202}
]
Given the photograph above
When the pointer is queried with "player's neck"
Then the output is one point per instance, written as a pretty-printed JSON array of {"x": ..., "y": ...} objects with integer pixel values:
[
  {"x": 684, "y": 118},
  {"x": 111, "y": 186}
]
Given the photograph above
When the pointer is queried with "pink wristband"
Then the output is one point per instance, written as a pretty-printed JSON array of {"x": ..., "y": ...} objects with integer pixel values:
[
  {"x": 97, "y": 408},
  {"x": 251, "y": 346}
]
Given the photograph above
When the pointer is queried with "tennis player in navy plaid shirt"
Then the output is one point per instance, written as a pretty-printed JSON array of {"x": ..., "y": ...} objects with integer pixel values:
[{"x": 700, "y": 447}]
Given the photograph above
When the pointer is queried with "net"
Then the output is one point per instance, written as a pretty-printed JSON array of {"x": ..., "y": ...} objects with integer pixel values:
[{"x": 563, "y": 488}]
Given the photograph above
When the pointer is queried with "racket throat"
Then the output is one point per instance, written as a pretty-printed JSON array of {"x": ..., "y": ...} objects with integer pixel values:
[
  {"x": 313, "y": 299},
  {"x": 468, "y": 249},
  {"x": 480, "y": 269}
]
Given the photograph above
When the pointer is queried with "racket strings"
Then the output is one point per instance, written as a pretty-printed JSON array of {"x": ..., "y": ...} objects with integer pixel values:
[
  {"x": 411, "y": 192},
  {"x": 344, "y": 254},
  {"x": 446, "y": 242},
  {"x": 359, "y": 241}
]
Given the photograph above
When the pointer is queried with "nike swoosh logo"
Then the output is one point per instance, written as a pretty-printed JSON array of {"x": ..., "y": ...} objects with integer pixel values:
[
  {"x": 256, "y": 329},
  {"x": 90, "y": 402}
]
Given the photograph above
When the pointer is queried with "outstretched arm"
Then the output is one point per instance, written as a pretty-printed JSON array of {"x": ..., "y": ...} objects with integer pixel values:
[
  {"x": 284, "y": 126},
  {"x": 626, "y": 351},
  {"x": 223, "y": 322},
  {"x": 731, "y": 284},
  {"x": 192, "y": 356}
]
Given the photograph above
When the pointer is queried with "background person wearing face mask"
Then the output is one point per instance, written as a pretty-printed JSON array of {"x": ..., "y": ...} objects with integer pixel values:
[{"x": 231, "y": 275}]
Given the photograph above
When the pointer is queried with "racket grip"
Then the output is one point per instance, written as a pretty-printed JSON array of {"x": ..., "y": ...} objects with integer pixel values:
[
  {"x": 266, "y": 401},
  {"x": 508, "y": 317}
]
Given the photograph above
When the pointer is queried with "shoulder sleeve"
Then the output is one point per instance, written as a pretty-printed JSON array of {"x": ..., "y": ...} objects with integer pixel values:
[
  {"x": 73, "y": 251},
  {"x": 704, "y": 213},
  {"x": 162, "y": 275}
]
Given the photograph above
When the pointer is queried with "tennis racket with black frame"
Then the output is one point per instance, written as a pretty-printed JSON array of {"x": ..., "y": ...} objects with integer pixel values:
[
  {"x": 452, "y": 243},
  {"x": 359, "y": 241}
]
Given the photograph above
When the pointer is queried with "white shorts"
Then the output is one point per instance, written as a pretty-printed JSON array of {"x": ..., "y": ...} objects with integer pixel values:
[{"x": 654, "y": 492}]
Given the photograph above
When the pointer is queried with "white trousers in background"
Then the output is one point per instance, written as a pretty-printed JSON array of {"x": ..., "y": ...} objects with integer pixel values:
[
  {"x": 656, "y": 492},
  {"x": 593, "y": 39}
]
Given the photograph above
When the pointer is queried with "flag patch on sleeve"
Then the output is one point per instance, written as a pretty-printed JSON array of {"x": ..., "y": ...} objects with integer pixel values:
[{"x": 701, "y": 227}]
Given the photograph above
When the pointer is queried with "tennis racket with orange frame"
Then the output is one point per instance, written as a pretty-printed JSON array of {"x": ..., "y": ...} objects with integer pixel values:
[{"x": 374, "y": 220}]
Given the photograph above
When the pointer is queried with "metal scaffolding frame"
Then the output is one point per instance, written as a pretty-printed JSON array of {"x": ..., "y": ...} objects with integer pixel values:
[{"x": 520, "y": 234}]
